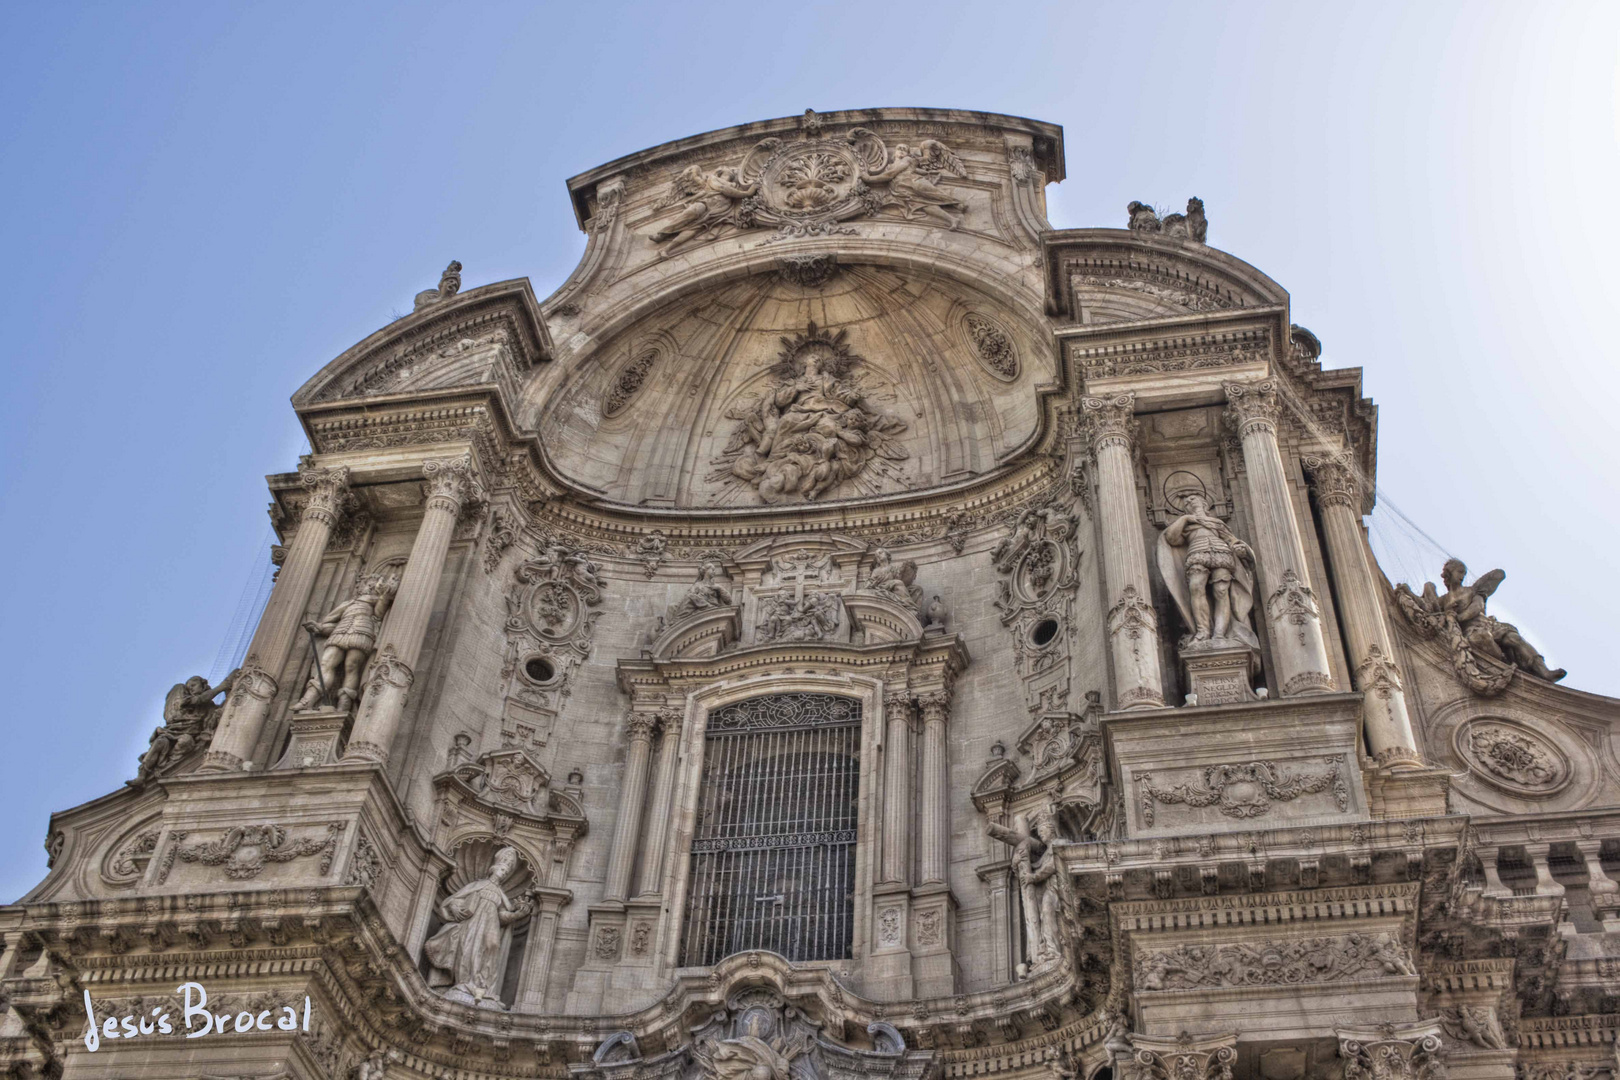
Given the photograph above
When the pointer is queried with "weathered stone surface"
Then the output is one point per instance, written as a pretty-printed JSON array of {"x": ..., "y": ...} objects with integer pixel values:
[{"x": 834, "y": 463}]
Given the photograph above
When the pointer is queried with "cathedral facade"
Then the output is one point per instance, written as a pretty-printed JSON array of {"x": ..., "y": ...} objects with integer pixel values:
[{"x": 849, "y": 629}]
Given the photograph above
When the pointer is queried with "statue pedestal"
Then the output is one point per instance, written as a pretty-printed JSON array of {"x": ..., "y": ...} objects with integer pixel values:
[
  {"x": 1220, "y": 673},
  {"x": 316, "y": 735}
]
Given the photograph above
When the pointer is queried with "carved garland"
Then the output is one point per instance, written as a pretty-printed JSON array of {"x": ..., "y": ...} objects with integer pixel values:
[{"x": 1246, "y": 791}]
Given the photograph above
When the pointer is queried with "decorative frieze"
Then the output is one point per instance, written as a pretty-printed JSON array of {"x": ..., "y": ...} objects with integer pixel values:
[
  {"x": 1277, "y": 962},
  {"x": 1246, "y": 791}
]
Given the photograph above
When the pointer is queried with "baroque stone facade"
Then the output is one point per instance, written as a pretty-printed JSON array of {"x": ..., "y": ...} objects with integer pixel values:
[{"x": 851, "y": 628}]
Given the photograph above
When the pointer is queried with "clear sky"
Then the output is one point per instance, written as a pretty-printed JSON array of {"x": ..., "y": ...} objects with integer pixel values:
[{"x": 203, "y": 203}]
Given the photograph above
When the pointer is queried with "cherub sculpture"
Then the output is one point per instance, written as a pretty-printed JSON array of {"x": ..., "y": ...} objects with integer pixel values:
[{"x": 1459, "y": 620}]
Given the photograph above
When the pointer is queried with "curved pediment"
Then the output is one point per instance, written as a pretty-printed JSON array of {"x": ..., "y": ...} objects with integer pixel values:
[
  {"x": 1118, "y": 275},
  {"x": 768, "y": 391},
  {"x": 492, "y": 335}
]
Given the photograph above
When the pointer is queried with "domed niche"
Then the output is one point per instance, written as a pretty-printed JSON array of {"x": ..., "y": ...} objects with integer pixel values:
[{"x": 763, "y": 392}]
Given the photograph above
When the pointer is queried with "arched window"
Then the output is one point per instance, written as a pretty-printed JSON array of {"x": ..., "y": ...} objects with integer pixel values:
[{"x": 773, "y": 854}]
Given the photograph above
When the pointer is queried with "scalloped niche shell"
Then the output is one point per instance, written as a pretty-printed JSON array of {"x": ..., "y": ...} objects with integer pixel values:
[{"x": 1512, "y": 757}]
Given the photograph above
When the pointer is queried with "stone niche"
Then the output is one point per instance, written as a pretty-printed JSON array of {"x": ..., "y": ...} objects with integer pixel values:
[{"x": 1236, "y": 768}]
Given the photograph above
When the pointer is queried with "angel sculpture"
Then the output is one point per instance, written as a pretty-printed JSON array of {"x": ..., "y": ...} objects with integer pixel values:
[
  {"x": 898, "y": 582},
  {"x": 704, "y": 201},
  {"x": 1465, "y": 606},
  {"x": 1210, "y": 573},
  {"x": 911, "y": 174},
  {"x": 1044, "y": 887},
  {"x": 1476, "y": 1024}
]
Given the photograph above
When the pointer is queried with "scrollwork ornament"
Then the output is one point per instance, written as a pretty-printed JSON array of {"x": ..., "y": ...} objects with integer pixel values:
[
  {"x": 1248, "y": 790},
  {"x": 1252, "y": 406}
]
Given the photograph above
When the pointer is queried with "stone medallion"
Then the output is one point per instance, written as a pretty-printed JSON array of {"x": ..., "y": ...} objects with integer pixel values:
[{"x": 1512, "y": 757}]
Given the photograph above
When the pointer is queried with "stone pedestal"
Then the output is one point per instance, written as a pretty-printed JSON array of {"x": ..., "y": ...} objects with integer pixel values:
[
  {"x": 317, "y": 739},
  {"x": 1235, "y": 768},
  {"x": 1220, "y": 674},
  {"x": 933, "y": 941}
]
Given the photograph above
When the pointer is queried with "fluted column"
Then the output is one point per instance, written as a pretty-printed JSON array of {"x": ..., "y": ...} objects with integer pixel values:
[
  {"x": 1372, "y": 653},
  {"x": 934, "y": 854},
  {"x": 650, "y": 870},
  {"x": 451, "y": 485},
  {"x": 897, "y": 799},
  {"x": 632, "y": 795},
  {"x": 1133, "y": 628},
  {"x": 248, "y": 705},
  {"x": 1292, "y": 612}
]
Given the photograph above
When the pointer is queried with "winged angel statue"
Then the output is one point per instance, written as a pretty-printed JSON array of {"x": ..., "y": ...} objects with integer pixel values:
[
  {"x": 813, "y": 429},
  {"x": 808, "y": 187}
]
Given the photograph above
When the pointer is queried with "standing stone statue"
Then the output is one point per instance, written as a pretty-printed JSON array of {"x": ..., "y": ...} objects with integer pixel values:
[
  {"x": 469, "y": 953},
  {"x": 1210, "y": 573},
  {"x": 350, "y": 630},
  {"x": 1044, "y": 890}
]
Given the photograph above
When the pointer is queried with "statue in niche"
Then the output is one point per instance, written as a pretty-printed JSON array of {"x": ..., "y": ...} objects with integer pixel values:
[
  {"x": 189, "y": 719},
  {"x": 706, "y": 594},
  {"x": 1210, "y": 572},
  {"x": 1045, "y": 892},
  {"x": 898, "y": 582},
  {"x": 814, "y": 429},
  {"x": 350, "y": 630},
  {"x": 469, "y": 953},
  {"x": 1458, "y": 618},
  {"x": 705, "y": 200}
]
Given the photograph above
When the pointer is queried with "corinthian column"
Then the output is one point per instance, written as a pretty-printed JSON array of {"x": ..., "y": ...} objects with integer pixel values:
[
  {"x": 1133, "y": 628},
  {"x": 451, "y": 485},
  {"x": 1372, "y": 654},
  {"x": 897, "y": 801},
  {"x": 1291, "y": 609},
  {"x": 650, "y": 872},
  {"x": 248, "y": 706},
  {"x": 934, "y": 854},
  {"x": 631, "y": 797}
]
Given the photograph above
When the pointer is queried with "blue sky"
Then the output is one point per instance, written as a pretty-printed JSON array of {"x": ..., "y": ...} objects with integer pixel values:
[{"x": 206, "y": 202}]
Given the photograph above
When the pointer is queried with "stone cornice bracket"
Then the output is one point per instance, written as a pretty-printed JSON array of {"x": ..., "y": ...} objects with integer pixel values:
[
  {"x": 1392, "y": 1052},
  {"x": 1252, "y": 406},
  {"x": 329, "y": 494},
  {"x": 454, "y": 483},
  {"x": 1109, "y": 421},
  {"x": 1335, "y": 481},
  {"x": 1185, "y": 1057}
]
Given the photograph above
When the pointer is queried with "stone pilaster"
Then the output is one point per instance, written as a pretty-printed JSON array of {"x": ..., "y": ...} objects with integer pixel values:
[
  {"x": 451, "y": 485},
  {"x": 248, "y": 706},
  {"x": 650, "y": 868},
  {"x": 934, "y": 824},
  {"x": 1133, "y": 628},
  {"x": 897, "y": 800},
  {"x": 1292, "y": 612},
  {"x": 631, "y": 798},
  {"x": 1366, "y": 628}
]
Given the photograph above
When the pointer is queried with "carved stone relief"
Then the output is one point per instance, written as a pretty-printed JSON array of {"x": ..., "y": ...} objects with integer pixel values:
[
  {"x": 810, "y": 187},
  {"x": 815, "y": 429},
  {"x": 789, "y": 605},
  {"x": 1245, "y": 791},
  {"x": 245, "y": 850},
  {"x": 627, "y": 383},
  {"x": 1512, "y": 757},
  {"x": 1283, "y": 962},
  {"x": 992, "y": 344},
  {"x": 1038, "y": 566},
  {"x": 550, "y": 624}
]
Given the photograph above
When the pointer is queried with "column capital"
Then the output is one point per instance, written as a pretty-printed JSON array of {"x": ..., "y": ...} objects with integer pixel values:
[
  {"x": 670, "y": 721},
  {"x": 935, "y": 705},
  {"x": 642, "y": 726},
  {"x": 1391, "y": 1051},
  {"x": 329, "y": 495},
  {"x": 455, "y": 480},
  {"x": 1252, "y": 406},
  {"x": 1209, "y": 1057},
  {"x": 1107, "y": 421},
  {"x": 897, "y": 702},
  {"x": 1335, "y": 480}
]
